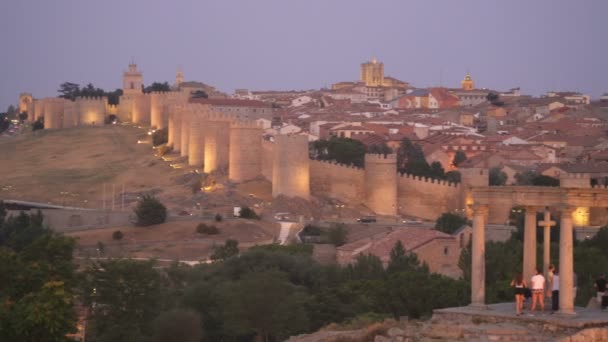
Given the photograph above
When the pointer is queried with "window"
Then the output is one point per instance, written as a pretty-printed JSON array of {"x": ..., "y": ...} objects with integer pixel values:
[
  {"x": 445, "y": 250},
  {"x": 132, "y": 85}
]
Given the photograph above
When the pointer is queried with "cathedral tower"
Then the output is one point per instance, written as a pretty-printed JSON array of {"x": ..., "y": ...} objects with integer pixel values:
[
  {"x": 467, "y": 83},
  {"x": 372, "y": 73}
]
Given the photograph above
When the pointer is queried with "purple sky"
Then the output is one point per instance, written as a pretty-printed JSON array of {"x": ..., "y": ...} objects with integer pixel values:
[{"x": 538, "y": 45}]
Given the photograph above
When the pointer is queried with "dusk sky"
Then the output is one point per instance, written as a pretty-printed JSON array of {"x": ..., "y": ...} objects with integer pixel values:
[{"x": 278, "y": 44}]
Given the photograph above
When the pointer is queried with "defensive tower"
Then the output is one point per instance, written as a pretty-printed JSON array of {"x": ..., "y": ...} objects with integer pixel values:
[
  {"x": 217, "y": 140},
  {"x": 245, "y": 151},
  {"x": 291, "y": 166},
  {"x": 381, "y": 183},
  {"x": 132, "y": 80}
]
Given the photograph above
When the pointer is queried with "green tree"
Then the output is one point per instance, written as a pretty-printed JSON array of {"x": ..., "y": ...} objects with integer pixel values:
[
  {"x": 436, "y": 170},
  {"x": 379, "y": 149},
  {"x": 401, "y": 261},
  {"x": 453, "y": 176},
  {"x": 150, "y": 211},
  {"x": 449, "y": 223},
  {"x": 228, "y": 250},
  {"x": 459, "y": 158},
  {"x": 69, "y": 90},
  {"x": 410, "y": 159},
  {"x": 265, "y": 304},
  {"x": 342, "y": 150},
  {"x": 38, "y": 124},
  {"x": 497, "y": 177},
  {"x": 157, "y": 87},
  {"x": 178, "y": 325},
  {"x": 542, "y": 180},
  {"x": 125, "y": 298}
]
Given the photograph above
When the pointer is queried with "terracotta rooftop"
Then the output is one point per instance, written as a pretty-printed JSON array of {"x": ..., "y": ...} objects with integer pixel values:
[{"x": 231, "y": 102}]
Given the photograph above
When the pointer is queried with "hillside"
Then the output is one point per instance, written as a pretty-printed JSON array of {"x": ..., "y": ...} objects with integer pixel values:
[{"x": 70, "y": 166}]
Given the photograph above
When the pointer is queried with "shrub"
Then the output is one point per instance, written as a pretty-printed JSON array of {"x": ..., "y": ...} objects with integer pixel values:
[
  {"x": 218, "y": 218},
  {"x": 337, "y": 234},
  {"x": 311, "y": 230},
  {"x": 39, "y": 124},
  {"x": 450, "y": 223},
  {"x": 150, "y": 211},
  {"x": 206, "y": 229},
  {"x": 163, "y": 150},
  {"x": 229, "y": 249},
  {"x": 117, "y": 235},
  {"x": 248, "y": 213},
  {"x": 160, "y": 136}
]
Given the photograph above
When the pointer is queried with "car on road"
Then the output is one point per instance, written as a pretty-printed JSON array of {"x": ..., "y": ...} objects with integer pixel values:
[{"x": 367, "y": 219}]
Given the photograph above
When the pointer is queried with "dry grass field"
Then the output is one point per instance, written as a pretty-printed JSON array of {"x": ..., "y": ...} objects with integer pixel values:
[
  {"x": 173, "y": 240},
  {"x": 70, "y": 167}
]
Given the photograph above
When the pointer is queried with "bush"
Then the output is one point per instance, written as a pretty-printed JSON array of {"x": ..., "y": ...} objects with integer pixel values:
[
  {"x": 205, "y": 229},
  {"x": 117, "y": 235},
  {"x": 228, "y": 250},
  {"x": 337, "y": 234},
  {"x": 163, "y": 150},
  {"x": 150, "y": 211},
  {"x": 160, "y": 136},
  {"x": 450, "y": 223},
  {"x": 218, "y": 218},
  {"x": 248, "y": 213},
  {"x": 311, "y": 230},
  {"x": 39, "y": 124}
]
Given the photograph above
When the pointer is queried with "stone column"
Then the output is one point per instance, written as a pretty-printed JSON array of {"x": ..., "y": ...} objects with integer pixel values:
[
  {"x": 546, "y": 223},
  {"x": 478, "y": 255},
  {"x": 529, "y": 244},
  {"x": 566, "y": 263}
]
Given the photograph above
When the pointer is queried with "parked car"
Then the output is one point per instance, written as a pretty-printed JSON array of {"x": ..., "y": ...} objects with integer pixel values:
[{"x": 367, "y": 219}]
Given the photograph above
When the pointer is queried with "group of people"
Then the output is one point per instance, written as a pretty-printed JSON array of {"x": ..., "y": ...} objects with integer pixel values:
[{"x": 539, "y": 288}]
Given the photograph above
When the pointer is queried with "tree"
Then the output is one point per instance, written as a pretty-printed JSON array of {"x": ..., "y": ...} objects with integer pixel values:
[
  {"x": 542, "y": 180},
  {"x": 199, "y": 94},
  {"x": 379, "y": 149},
  {"x": 535, "y": 179},
  {"x": 265, "y": 304},
  {"x": 453, "y": 176},
  {"x": 114, "y": 96},
  {"x": 150, "y": 211},
  {"x": 157, "y": 87},
  {"x": 228, "y": 250},
  {"x": 178, "y": 325},
  {"x": 401, "y": 261},
  {"x": 497, "y": 177},
  {"x": 342, "y": 150},
  {"x": 410, "y": 159},
  {"x": 126, "y": 294},
  {"x": 436, "y": 170},
  {"x": 450, "y": 223},
  {"x": 69, "y": 90},
  {"x": 459, "y": 157},
  {"x": 248, "y": 213},
  {"x": 36, "y": 280}
]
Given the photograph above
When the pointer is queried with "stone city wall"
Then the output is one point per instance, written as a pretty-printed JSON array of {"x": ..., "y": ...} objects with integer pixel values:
[
  {"x": 425, "y": 197},
  {"x": 343, "y": 182}
]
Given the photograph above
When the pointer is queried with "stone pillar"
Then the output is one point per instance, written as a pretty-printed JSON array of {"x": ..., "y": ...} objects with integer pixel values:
[
  {"x": 546, "y": 223},
  {"x": 478, "y": 255},
  {"x": 185, "y": 133},
  {"x": 566, "y": 263},
  {"x": 529, "y": 244}
]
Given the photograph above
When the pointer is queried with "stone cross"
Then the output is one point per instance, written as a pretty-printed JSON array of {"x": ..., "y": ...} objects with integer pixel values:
[{"x": 547, "y": 224}]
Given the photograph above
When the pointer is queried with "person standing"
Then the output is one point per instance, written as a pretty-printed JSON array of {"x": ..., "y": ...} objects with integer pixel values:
[
  {"x": 550, "y": 279},
  {"x": 519, "y": 286},
  {"x": 600, "y": 287},
  {"x": 538, "y": 291},
  {"x": 555, "y": 292}
]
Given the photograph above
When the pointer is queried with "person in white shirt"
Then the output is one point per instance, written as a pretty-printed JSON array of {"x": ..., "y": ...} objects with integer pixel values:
[
  {"x": 555, "y": 292},
  {"x": 538, "y": 291}
]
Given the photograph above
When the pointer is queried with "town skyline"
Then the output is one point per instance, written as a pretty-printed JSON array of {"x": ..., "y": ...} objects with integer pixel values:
[{"x": 271, "y": 46}]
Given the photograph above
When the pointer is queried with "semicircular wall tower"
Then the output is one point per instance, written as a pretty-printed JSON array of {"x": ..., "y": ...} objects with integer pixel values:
[
  {"x": 291, "y": 166},
  {"x": 245, "y": 151},
  {"x": 381, "y": 183}
]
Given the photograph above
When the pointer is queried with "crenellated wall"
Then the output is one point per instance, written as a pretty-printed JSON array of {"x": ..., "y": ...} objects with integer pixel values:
[
  {"x": 53, "y": 112},
  {"x": 343, "y": 182},
  {"x": 425, "y": 197},
  {"x": 70, "y": 115},
  {"x": 92, "y": 110},
  {"x": 267, "y": 159}
]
